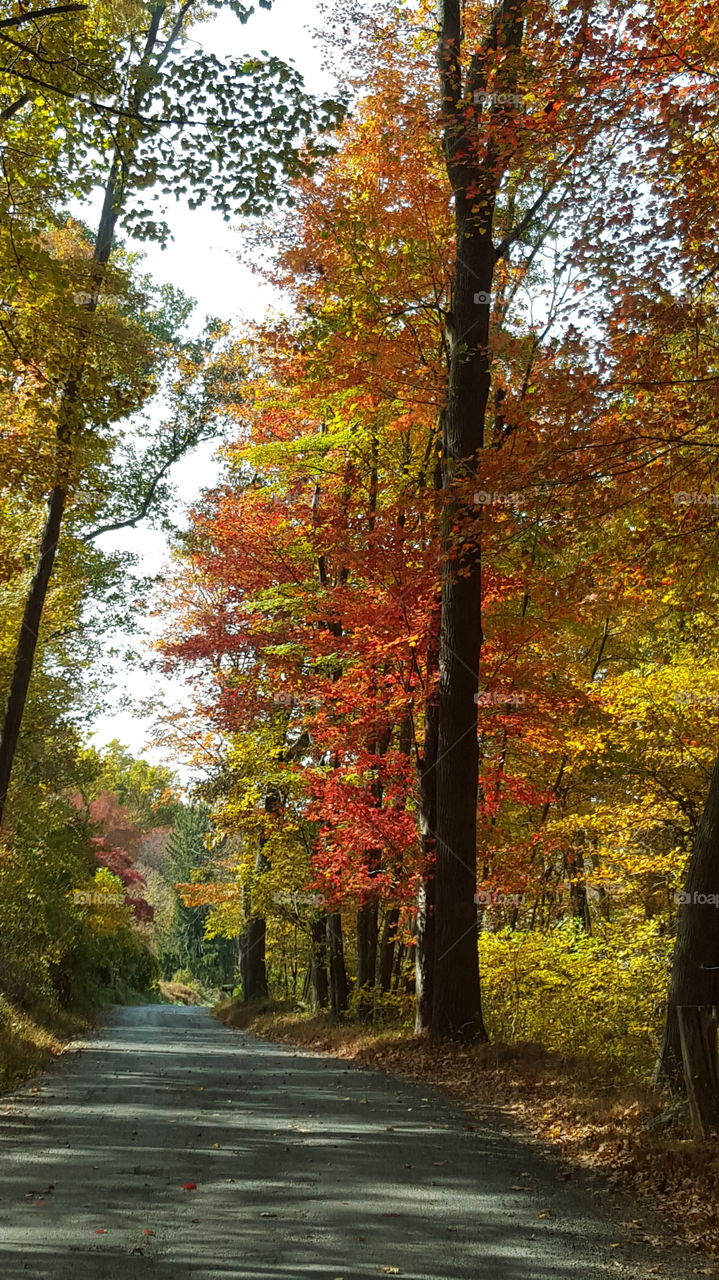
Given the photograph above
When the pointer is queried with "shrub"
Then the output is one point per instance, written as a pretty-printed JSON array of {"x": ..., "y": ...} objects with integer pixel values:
[{"x": 599, "y": 996}]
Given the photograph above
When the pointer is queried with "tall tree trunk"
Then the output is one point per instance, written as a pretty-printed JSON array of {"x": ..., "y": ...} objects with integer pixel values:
[
  {"x": 318, "y": 967},
  {"x": 368, "y": 913},
  {"x": 578, "y": 897},
  {"x": 695, "y": 966},
  {"x": 367, "y": 938},
  {"x": 70, "y": 418},
  {"x": 387, "y": 947},
  {"x": 339, "y": 991},
  {"x": 424, "y": 948},
  {"x": 27, "y": 639},
  {"x": 475, "y": 180},
  {"x": 255, "y": 939},
  {"x": 255, "y": 971}
]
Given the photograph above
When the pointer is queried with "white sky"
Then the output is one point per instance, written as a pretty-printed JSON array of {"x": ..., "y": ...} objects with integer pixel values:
[{"x": 201, "y": 261}]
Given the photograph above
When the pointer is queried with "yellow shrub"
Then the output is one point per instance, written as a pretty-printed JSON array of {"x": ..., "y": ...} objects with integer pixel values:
[{"x": 599, "y": 996}]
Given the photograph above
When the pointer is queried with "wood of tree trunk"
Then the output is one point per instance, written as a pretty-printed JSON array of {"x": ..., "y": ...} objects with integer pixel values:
[
  {"x": 27, "y": 640},
  {"x": 475, "y": 172},
  {"x": 424, "y": 949},
  {"x": 255, "y": 970},
  {"x": 424, "y": 955},
  {"x": 698, "y": 1038},
  {"x": 387, "y": 948},
  {"x": 695, "y": 964},
  {"x": 69, "y": 420},
  {"x": 339, "y": 989},
  {"x": 318, "y": 967},
  {"x": 578, "y": 897},
  {"x": 367, "y": 938}
]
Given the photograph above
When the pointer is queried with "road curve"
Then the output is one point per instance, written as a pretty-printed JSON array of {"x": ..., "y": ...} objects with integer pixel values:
[{"x": 303, "y": 1168}]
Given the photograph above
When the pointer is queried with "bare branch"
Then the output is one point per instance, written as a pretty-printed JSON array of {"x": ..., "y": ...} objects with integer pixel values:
[{"x": 51, "y": 11}]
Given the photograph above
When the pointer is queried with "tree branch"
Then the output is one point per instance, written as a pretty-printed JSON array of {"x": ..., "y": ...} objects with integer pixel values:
[
  {"x": 16, "y": 106},
  {"x": 51, "y": 11},
  {"x": 144, "y": 511}
]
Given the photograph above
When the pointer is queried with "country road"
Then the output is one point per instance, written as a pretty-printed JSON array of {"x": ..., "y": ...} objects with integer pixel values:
[{"x": 303, "y": 1167}]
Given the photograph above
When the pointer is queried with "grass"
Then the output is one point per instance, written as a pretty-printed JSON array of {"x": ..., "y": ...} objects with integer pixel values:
[
  {"x": 180, "y": 993},
  {"x": 29, "y": 1040}
]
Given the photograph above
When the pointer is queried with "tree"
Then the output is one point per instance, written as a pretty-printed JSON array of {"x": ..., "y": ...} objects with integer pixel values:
[
  {"x": 185, "y": 946},
  {"x": 255, "y": 114}
]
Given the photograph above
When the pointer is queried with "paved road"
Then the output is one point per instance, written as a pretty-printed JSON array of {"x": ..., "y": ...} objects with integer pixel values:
[{"x": 304, "y": 1168}]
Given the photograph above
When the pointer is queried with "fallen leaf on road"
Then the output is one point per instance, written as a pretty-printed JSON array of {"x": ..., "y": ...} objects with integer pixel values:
[
  {"x": 189, "y": 1186},
  {"x": 268, "y": 1215},
  {"x": 390, "y": 1271},
  {"x": 100, "y": 1231},
  {"x": 148, "y": 1233}
]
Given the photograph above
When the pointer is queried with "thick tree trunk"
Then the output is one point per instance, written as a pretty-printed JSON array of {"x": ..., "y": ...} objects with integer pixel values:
[
  {"x": 318, "y": 967},
  {"x": 698, "y": 1037},
  {"x": 255, "y": 970},
  {"x": 254, "y": 974},
  {"x": 456, "y": 1006},
  {"x": 339, "y": 991},
  {"x": 695, "y": 965},
  {"x": 387, "y": 948},
  {"x": 367, "y": 938},
  {"x": 475, "y": 170}
]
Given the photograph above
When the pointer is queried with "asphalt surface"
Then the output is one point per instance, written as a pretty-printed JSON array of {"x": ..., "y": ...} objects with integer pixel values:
[{"x": 303, "y": 1168}]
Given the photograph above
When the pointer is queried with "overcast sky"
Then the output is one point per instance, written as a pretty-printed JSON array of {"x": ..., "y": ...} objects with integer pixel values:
[{"x": 201, "y": 260}]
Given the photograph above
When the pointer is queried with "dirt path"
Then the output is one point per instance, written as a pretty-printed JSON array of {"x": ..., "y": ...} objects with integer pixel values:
[{"x": 304, "y": 1168}]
